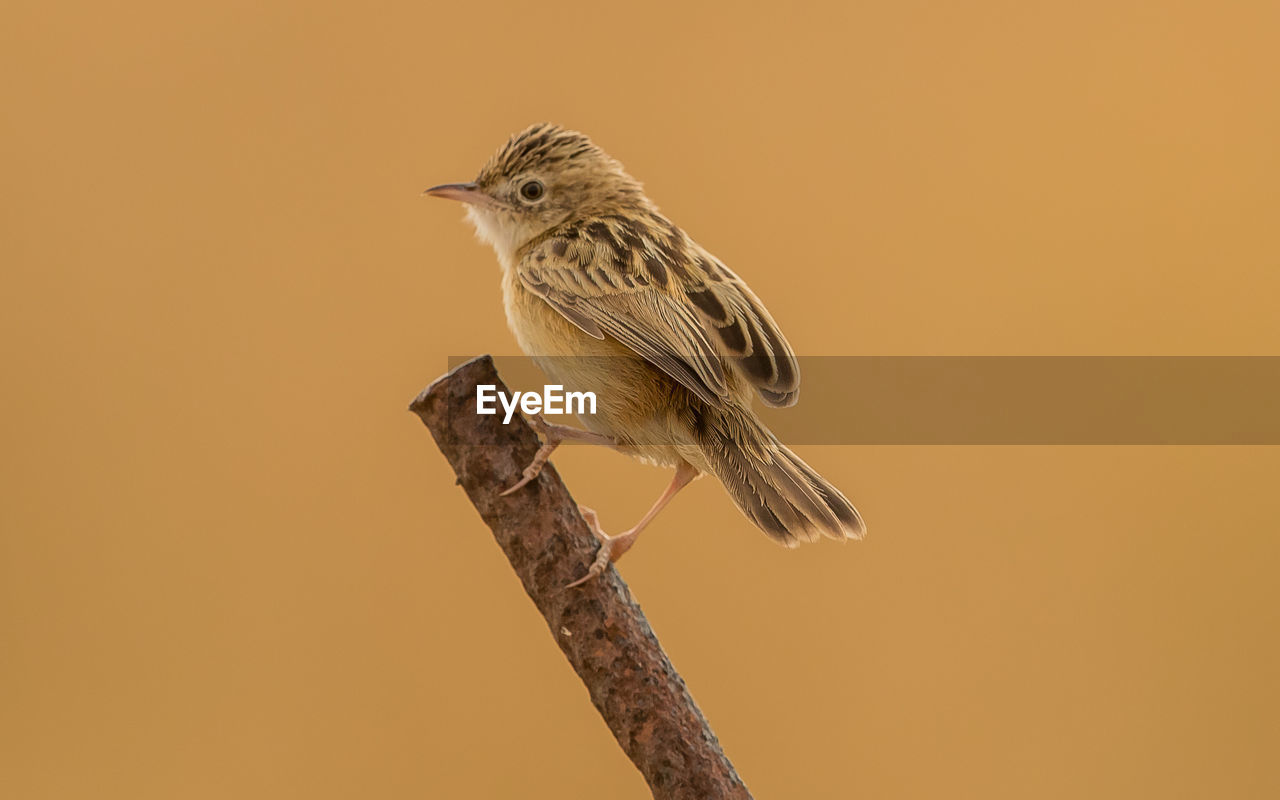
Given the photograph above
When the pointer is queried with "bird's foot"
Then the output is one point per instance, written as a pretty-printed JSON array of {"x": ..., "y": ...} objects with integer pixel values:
[
  {"x": 611, "y": 547},
  {"x": 551, "y": 439}
]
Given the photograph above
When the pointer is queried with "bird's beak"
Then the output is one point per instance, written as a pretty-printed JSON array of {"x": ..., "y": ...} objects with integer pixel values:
[{"x": 462, "y": 192}]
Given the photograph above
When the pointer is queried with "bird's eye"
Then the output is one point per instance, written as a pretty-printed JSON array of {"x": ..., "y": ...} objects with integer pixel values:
[{"x": 533, "y": 190}]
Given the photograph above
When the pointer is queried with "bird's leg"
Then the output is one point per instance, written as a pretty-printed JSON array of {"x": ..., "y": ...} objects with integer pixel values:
[
  {"x": 612, "y": 547},
  {"x": 552, "y": 436}
]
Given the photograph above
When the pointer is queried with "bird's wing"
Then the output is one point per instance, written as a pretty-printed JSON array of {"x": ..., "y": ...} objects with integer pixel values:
[{"x": 652, "y": 288}]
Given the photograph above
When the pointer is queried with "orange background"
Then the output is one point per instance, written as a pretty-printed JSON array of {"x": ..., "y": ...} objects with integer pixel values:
[{"x": 233, "y": 565}]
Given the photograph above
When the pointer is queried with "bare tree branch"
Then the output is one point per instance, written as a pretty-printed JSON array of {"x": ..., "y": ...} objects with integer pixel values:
[{"x": 598, "y": 626}]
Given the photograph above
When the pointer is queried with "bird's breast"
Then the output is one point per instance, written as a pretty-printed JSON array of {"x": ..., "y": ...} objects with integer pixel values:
[{"x": 630, "y": 392}]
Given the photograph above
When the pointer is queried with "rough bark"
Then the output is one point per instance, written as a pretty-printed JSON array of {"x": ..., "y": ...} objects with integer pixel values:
[{"x": 598, "y": 626}]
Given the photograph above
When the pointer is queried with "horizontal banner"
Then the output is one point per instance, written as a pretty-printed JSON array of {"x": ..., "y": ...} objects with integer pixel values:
[{"x": 966, "y": 400}]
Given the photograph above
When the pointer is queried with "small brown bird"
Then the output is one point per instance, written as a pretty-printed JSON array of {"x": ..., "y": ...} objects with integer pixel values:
[{"x": 609, "y": 296}]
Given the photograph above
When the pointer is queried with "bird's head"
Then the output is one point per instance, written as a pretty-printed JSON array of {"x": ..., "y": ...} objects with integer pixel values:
[{"x": 544, "y": 176}]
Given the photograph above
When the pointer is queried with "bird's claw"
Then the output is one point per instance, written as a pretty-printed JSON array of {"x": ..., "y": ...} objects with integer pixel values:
[
  {"x": 550, "y": 441},
  {"x": 540, "y": 426},
  {"x": 530, "y": 472},
  {"x": 604, "y": 557},
  {"x": 593, "y": 522},
  {"x": 611, "y": 547}
]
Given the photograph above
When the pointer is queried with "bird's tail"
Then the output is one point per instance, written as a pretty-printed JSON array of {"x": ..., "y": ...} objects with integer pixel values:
[{"x": 781, "y": 494}]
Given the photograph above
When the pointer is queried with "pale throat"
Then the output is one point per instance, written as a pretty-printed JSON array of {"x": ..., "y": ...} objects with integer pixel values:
[
  {"x": 499, "y": 231},
  {"x": 505, "y": 236}
]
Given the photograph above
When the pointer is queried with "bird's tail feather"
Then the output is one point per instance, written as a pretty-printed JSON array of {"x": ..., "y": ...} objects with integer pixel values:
[{"x": 782, "y": 495}]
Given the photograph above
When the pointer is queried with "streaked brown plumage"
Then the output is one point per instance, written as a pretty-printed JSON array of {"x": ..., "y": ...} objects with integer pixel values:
[{"x": 609, "y": 296}]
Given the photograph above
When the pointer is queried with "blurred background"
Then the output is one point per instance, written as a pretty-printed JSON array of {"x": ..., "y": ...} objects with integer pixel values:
[{"x": 233, "y": 565}]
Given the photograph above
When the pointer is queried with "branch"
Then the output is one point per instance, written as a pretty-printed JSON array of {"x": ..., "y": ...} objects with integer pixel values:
[{"x": 598, "y": 626}]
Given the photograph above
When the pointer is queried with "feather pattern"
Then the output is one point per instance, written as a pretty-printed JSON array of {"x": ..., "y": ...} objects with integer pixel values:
[{"x": 618, "y": 275}]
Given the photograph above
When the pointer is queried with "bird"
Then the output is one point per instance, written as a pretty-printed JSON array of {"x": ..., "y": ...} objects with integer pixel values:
[{"x": 608, "y": 295}]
